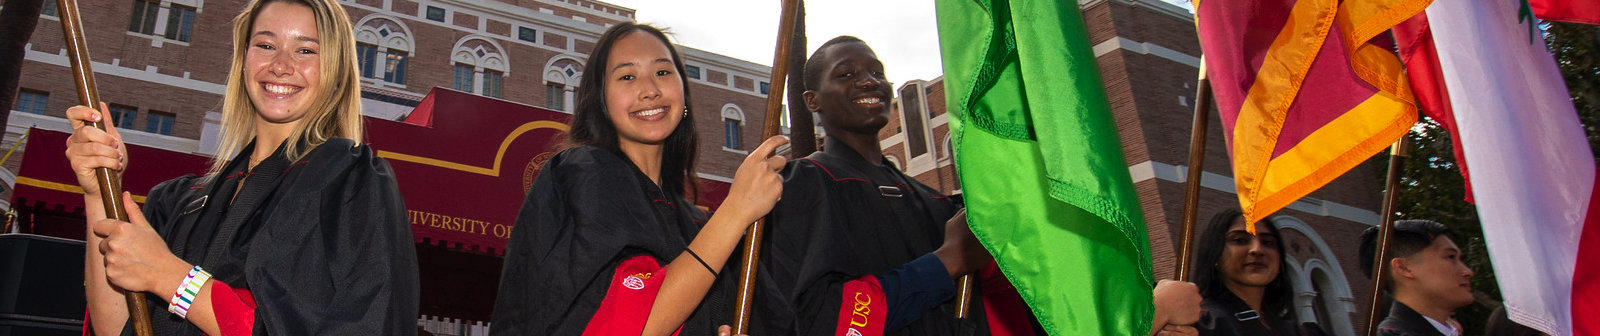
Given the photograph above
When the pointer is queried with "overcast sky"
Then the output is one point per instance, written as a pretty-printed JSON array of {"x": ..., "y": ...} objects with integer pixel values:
[{"x": 903, "y": 32}]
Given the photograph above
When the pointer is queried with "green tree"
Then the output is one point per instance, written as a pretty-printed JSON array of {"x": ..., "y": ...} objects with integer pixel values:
[{"x": 1577, "y": 51}]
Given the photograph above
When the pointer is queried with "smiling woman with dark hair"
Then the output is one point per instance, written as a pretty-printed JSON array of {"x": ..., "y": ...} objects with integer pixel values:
[
  {"x": 1241, "y": 277},
  {"x": 606, "y": 242}
]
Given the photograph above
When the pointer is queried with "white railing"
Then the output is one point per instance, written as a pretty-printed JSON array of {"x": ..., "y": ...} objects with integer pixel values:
[{"x": 442, "y": 326}]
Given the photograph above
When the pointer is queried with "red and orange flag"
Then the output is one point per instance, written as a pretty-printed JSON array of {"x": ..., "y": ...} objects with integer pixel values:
[{"x": 1307, "y": 90}]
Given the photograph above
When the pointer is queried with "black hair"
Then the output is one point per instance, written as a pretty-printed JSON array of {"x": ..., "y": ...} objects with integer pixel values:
[
  {"x": 592, "y": 126},
  {"x": 1408, "y": 238},
  {"x": 813, "y": 68},
  {"x": 1278, "y": 296}
]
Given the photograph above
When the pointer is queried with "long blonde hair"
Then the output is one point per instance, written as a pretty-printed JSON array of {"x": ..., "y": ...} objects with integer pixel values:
[{"x": 336, "y": 111}]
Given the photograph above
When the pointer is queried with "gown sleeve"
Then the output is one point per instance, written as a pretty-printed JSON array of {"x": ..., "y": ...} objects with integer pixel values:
[
  {"x": 234, "y": 308},
  {"x": 352, "y": 270},
  {"x": 581, "y": 251},
  {"x": 166, "y": 201}
]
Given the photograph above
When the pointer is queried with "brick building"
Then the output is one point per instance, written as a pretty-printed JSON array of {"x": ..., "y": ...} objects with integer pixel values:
[
  {"x": 1148, "y": 56},
  {"x": 164, "y": 72},
  {"x": 163, "y": 64}
]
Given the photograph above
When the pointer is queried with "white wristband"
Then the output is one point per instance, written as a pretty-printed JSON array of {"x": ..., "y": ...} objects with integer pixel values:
[{"x": 184, "y": 297}]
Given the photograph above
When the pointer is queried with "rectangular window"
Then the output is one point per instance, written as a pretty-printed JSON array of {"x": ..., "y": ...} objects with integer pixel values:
[
  {"x": 160, "y": 123},
  {"x": 491, "y": 83},
  {"x": 367, "y": 54},
  {"x": 123, "y": 115},
  {"x": 527, "y": 34},
  {"x": 31, "y": 101},
  {"x": 394, "y": 69},
  {"x": 911, "y": 112},
  {"x": 436, "y": 13},
  {"x": 555, "y": 97},
  {"x": 463, "y": 78},
  {"x": 694, "y": 71},
  {"x": 50, "y": 9},
  {"x": 180, "y": 21},
  {"x": 765, "y": 87},
  {"x": 730, "y": 133},
  {"x": 144, "y": 16}
]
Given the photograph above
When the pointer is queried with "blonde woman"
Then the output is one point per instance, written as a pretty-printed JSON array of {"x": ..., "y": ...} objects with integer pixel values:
[{"x": 297, "y": 229}]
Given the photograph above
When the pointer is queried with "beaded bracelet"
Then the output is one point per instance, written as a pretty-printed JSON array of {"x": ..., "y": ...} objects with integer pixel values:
[{"x": 187, "y": 291}]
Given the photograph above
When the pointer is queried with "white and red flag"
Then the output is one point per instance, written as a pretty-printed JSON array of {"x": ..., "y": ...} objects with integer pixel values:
[{"x": 1532, "y": 173}]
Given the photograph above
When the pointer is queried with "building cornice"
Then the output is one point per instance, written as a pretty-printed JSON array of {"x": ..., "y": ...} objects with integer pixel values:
[
  {"x": 1145, "y": 48},
  {"x": 1154, "y": 5},
  {"x": 148, "y": 74},
  {"x": 514, "y": 14},
  {"x": 592, "y": 11},
  {"x": 724, "y": 61}
]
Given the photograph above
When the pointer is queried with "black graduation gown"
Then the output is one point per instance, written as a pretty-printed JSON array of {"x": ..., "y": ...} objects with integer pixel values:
[
  {"x": 322, "y": 243},
  {"x": 589, "y": 213},
  {"x": 838, "y": 222},
  {"x": 1404, "y": 321},
  {"x": 1227, "y": 315}
]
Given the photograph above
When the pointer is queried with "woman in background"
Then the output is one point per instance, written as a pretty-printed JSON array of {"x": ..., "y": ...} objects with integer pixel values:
[{"x": 1241, "y": 278}]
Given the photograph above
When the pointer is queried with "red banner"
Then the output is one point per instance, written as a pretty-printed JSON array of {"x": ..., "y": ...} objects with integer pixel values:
[
  {"x": 464, "y": 163},
  {"x": 45, "y": 181}
]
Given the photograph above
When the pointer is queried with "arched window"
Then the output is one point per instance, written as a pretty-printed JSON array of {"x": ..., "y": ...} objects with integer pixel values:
[
  {"x": 561, "y": 78},
  {"x": 383, "y": 44},
  {"x": 732, "y": 121},
  {"x": 480, "y": 66},
  {"x": 1322, "y": 294},
  {"x": 945, "y": 151},
  {"x": 914, "y": 119},
  {"x": 922, "y": 150}
]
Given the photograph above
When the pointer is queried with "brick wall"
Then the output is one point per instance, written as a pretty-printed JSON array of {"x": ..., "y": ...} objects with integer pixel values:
[
  {"x": 464, "y": 20},
  {"x": 707, "y": 110},
  {"x": 429, "y": 65},
  {"x": 188, "y": 105},
  {"x": 112, "y": 45},
  {"x": 717, "y": 77}
]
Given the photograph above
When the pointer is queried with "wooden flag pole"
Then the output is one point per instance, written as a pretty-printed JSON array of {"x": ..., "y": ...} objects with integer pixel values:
[
  {"x": 1398, "y": 154},
  {"x": 1197, "y": 159},
  {"x": 752, "y": 237},
  {"x": 110, "y": 181},
  {"x": 963, "y": 296}
]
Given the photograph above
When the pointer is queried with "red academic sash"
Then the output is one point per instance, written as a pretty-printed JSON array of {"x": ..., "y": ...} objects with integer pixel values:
[
  {"x": 864, "y": 310},
  {"x": 628, "y": 299}
]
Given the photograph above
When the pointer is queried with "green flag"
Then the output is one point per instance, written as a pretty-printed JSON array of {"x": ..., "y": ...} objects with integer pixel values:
[{"x": 1046, "y": 187}]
